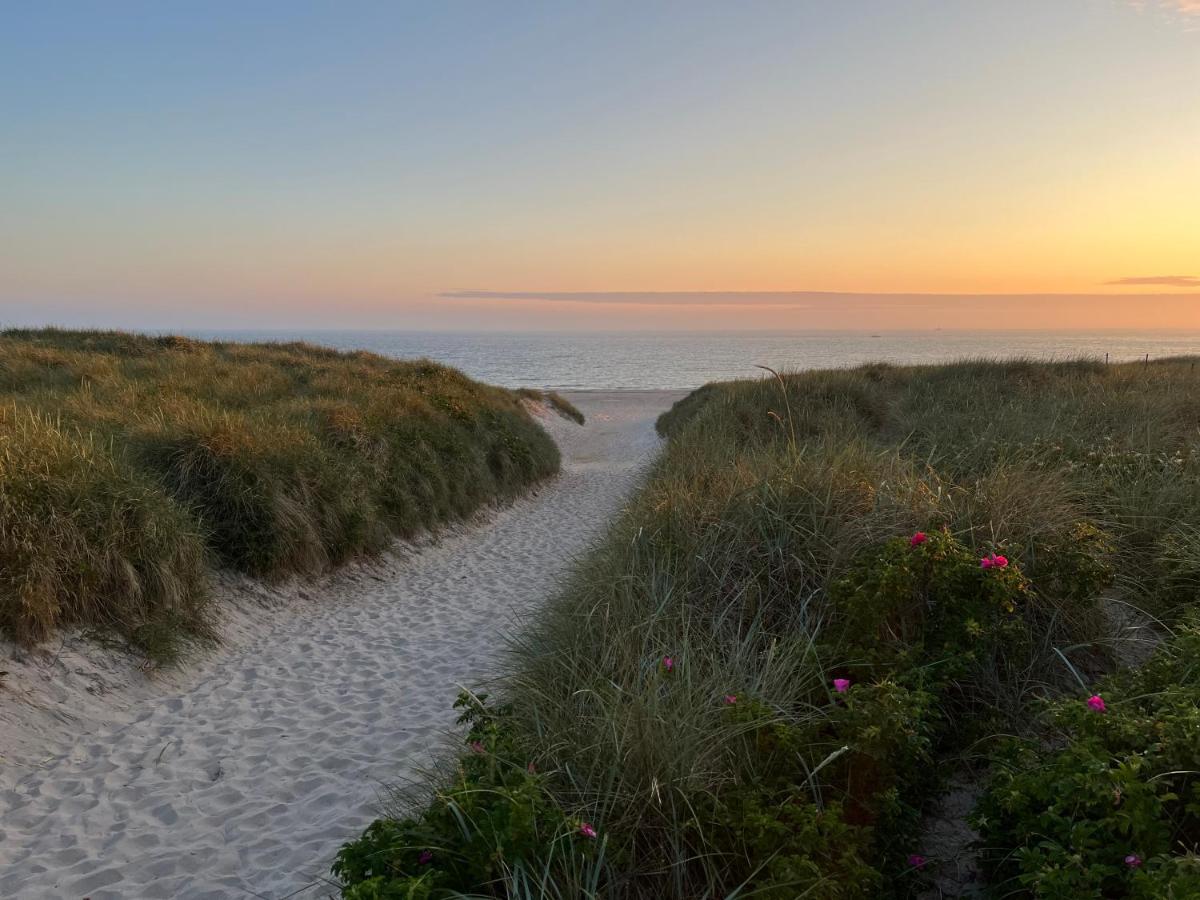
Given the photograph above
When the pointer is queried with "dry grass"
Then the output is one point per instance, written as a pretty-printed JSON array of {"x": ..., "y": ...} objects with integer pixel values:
[
  {"x": 556, "y": 402},
  {"x": 129, "y": 464}
]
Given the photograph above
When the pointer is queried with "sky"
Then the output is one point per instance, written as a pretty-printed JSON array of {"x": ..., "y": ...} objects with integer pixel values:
[{"x": 619, "y": 165}]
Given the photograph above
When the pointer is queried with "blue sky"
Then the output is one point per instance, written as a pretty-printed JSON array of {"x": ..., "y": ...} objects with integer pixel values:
[{"x": 347, "y": 164}]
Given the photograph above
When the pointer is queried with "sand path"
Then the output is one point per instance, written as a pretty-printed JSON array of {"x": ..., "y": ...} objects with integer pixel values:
[{"x": 245, "y": 783}]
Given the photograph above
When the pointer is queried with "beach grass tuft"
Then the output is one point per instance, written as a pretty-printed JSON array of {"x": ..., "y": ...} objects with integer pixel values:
[
  {"x": 556, "y": 402},
  {"x": 130, "y": 465}
]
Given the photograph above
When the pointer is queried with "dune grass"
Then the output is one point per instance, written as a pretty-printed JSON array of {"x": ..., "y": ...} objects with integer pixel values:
[
  {"x": 556, "y": 402},
  {"x": 130, "y": 465},
  {"x": 746, "y": 689}
]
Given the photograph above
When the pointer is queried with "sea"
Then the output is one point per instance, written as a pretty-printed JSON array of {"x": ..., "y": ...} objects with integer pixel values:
[{"x": 684, "y": 360}]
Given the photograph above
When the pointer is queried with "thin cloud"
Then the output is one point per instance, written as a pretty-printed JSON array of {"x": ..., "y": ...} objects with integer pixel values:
[
  {"x": 1184, "y": 7},
  {"x": 653, "y": 298},
  {"x": 783, "y": 299},
  {"x": 1180, "y": 281},
  {"x": 811, "y": 300}
]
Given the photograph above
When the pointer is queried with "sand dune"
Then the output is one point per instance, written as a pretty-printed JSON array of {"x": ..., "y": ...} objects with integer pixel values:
[{"x": 241, "y": 776}]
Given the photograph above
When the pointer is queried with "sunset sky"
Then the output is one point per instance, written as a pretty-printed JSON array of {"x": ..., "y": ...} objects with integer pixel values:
[{"x": 601, "y": 165}]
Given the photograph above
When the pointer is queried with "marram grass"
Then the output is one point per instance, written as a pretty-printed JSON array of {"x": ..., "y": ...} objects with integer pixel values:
[
  {"x": 747, "y": 689},
  {"x": 131, "y": 465}
]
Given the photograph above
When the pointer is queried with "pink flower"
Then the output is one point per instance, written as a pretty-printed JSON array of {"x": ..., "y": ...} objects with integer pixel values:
[
  {"x": 1133, "y": 860},
  {"x": 999, "y": 561},
  {"x": 918, "y": 539},
  {"x": 477, "y": 747},
  {"x": 587, "y": 830},
  {"x": 426, "y": 857},
  {"x": 992, "y": 561},
  {"x": 668, "y": 663},
  {"x": 841, "y": 685},
  {"x": 917, "y": 861},
  {"x": 730, "y": 699},
  {"x": 985, "y": 563},
  {"x": 1096, "y": 702}
]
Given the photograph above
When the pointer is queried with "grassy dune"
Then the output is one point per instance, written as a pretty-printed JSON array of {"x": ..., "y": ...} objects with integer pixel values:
[
  {"x": 833, "y": 585},
  {"x": 130, "y": 465}
]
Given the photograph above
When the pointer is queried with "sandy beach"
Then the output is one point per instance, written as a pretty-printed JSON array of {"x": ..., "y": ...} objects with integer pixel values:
[{"x": 241, "y": 773}]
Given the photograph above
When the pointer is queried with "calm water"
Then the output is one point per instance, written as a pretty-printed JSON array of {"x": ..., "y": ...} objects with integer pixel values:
[{"x": 686, "y": 360}]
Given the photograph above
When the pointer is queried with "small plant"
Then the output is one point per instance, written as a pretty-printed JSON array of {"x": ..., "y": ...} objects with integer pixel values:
[
  {"x": 931, "y": 605},
  {"x": 784, "y": 845},
  {"x": 556, "y": 402},
  {"x": 1114, "y": 809},
  {"x": 494, "y": 825}
]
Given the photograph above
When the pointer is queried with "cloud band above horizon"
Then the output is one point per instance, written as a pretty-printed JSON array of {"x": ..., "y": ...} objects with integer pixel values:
[
  {"x": 810, "y": 299},
  {"x": 1181, "y": 281}
]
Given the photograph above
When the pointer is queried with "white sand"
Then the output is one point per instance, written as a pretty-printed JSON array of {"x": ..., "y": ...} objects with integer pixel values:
[{"x": 241, "y": 775}]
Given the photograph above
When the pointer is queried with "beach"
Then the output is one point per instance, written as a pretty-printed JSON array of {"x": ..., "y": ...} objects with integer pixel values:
[
  {"x": 592, "y": 452},
  {"x": 241, "y": 772}
]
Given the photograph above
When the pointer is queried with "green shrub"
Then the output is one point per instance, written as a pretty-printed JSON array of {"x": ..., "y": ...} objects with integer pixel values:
[
  {"x": 1065, "y": 821},
  {"x": 779, "y": 830},
  {"x": 495, "y": 825},
  {"x": 928, "y": 599},
  {"x": 787, "y": 846}
]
